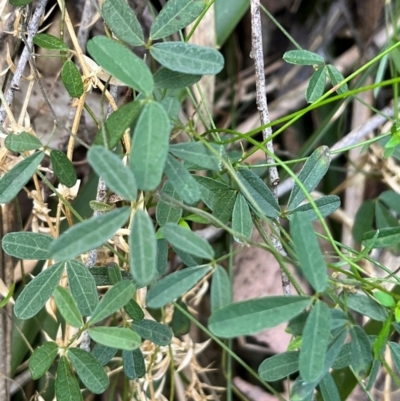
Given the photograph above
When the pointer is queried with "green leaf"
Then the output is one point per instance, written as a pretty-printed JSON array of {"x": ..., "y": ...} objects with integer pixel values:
[
  {"x": 310, "y": 175},
  {"x": 115, "y": 337},
  {"x": 155, "y": 332},
  {"x": 150, "y": 146},
  {"x": 89, "y": 234},
  {"x": 162, "y": 256},
  {"x": 316, "y": 86},
  {"x": 315, "y": 342},
  {"x": 391, "y": 198},
  {"x": 20, "y": 3},
  {"x": 384, "y": 218},
  {"x": 258, "y": 194},
  {"x": 241, "y": 218},
  {"x": 109, "y": 166},
  {"x": 172, "y": 107},
  {"x": 308, "y": 251},
  {"x": 66, "y": 385},
  {"x": 22, "y": 142},
  {"x": 175, "y": 285},
  {"x": 34, "y": 296},
  {"x": 114, "y": 273},
  {"x": 168, "y": 79},
  {"x": 63, "y": 168},
  {"x": 67, "y": 307},
  {"x": 47, "y": 41},
  {"x": 166, "y": 212},
  {"x": 183, "y": 182},
  {"x": 336, "y": 78},
  {"x": 344, "y": 357},
  {"x": 326, "y": 206},
  {"x": 103, "y": 354},
  {"x": 279, "y": 366},
  {"x": 174, "y": 16},
  {"x": 120, "y": 62},
  {"x": 302, "y": 390},
  {"x": 143, "y": 249},
  {"x": 251, "y": 316},
  {"x": 221, "y": 288},
  {"x": 133, "y": 310},
  {"x": 196, "y": 153},
  {"x": 116, "y": 124},
  {"x": 180, "y": 324},
  {"x": 211, "y": 190},
  {"x": 89, "y": 370},
  {"x": 303, "y": 57},
  {"x": 386, "y": 237},
  {"x": 329, "y": 389},
  {"x": 27, "y": 245},
  {"x": 361, "y": 351},
  {"x": 366, "y": 306},
  {"x": 187, "y": 241},
  {"x": 123, "y": 22},
  {"x": 101, "y": 275},
  {"x": 83, "y": 287},
  {"x": 187, "y": 259},
  {"x": 384, "y": 298},
  {"x": 395, "y": 350},
  {"x": 363, "y": 220},
  {"x": 42, "y": 358},
  {"x": 14, "y": 180},
  {"x": 72, "y": 79},
  {"x": 133, "y": 363},
  {"x": 225, "y": 203},
  {"x": 114, "y": 299},
  {"x": 188, "y": 58}
]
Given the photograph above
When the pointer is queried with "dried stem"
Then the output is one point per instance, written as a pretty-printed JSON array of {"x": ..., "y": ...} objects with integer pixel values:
[{"x": 261, "y": 99}]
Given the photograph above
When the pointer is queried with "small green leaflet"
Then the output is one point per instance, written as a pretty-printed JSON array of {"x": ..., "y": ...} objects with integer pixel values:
[
  {"x": 326, "y": 206},
  {"x": 20, "y": 3},
  {"x": 303, "y": 57},
  {"x": 361, "y": 351},
  {"x": 174, "y": 16},
  {"x": 336, "y": 78},
  {"x": 63, "y": 168},
  {"x": 114, "y": 299},
  {"x": 83, "y": 287},
  {"x": 211, "y": 190},
  {"x": 364, "y": 220},
  {"x": 391, "y": 199},
  {"x": 14, "y": 180},
  {"x": 221, "y": 288},
  {"x": 162, "y": 256},
  {"x": 166, "y": 212},
  {"x": 123, "y": 22},
  {"x": 129, "y": 69},
  {"x": 42, "y": 358},
  {"x": 27, "y": 245},
  {"x": 89, "y": 234},
  {"x": 133, "y": 310},
  {"x": 251, "y": 316},
  {"x": 308, "y": 252},
  {"x": 167, "y": 79},
  {"x": 114, "y": 273},
  {"x": 143, "y": 249},
  {"x": 316, "y": 86},
  {"x": 180, "y": 324},
  {"x": 150, "y": 146},
  {"x": 310, "y": 175},
  {"x": 34, "y": 296},
  {"x": 187, "y": 241},
  {"x": 103, "y": 353},
  {"x": 89, "y": 370},
  {"x": 224, "y": 205},
  {"x": 72, "y": 79},
  {"x": 366, "y": 306},
  {"x": 172, "y": 106},
  {"x": 329, "y": 389},
  {"x": 302, "y": 390},
  {"x": 109, "y": 166},
  {"x": 175, "y": 285},
  {"x": 279, "y": 366},
  {"x": 384, "y": 218},
  {"x": 50, "y": 42},
  {"x": 67, "y": 307},
  {"x": 188, "y": 58},
  {"x": 155, "y": 332},
  {"x": 386, "y": 237},
  {"x": 66, "y": 385},
  {"x": 242, "y": 222},
  {"x": 133, "y": 363},
  {"x": 115, "y": 337},
  {"x": 22, "y": 142}
]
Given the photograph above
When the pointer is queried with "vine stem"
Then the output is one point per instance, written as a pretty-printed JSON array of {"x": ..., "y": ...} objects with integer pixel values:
[{"x": 261, "y": 99}]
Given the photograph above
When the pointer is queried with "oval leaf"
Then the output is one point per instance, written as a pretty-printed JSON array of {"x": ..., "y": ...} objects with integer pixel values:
[
  {"x": 134, "y": 364},
  {"x": 89, "y": 234},
  {"x": 221, "y": 288},
  {"x": 329, "y": 389},
  {"x": 123, "y": 22},
  {"x": 109, "y": 166},
  {"x": 251, "y": 316},
  {"x": 241, "y": 218},
  {"x": 187, "y": 241},
  {"x": 168, "y": 79},
  {"x": 279, "y": 366},
  {"x": 364, "y": 220},
  {"x": 310, "y": 175},
  {"x": 366, "y": 306},
  {"x": 361, "y": 351},
  {"x": 103, "y": 354},
  {"x": 336, "y": 78},
  {"x": 63, "y": 168},
  {"x": 27, "y": 245},
  {"x": 42, "y": 358},
  {"x": 155, "y": 332},
  {"x": 47, "y": 41},
  {"x": 386, "y": 237},
  {"x": 115, "y": 337},
  {"x": 174, "y": 285},
  {"x": 188, "y": 58},
  {"x": 67, "y": 307},
  {"x": 72, "y": 79},
  {"x": 66, "y": 385},
  {"x": 180, "y": 324},
  {"x": 133, "y": 310},
  {"x": 166, "y": 212},
  {"x": 303, "y": 57},
  {"x": 308, "y": 251},
  {"x": 34, "y": 296},
  {"x": 225, "y": 203},
  {"x": 129, "y": 69},
  {"x": 316, "y": 86},
  {"x": 89, "y": 370},
  {"x": 326, "y": 206},
  {"x": 14, "y": 180},
  {"x": 22, "y": 142},
  {"x": 174, "y": 16},
  {"x": 150, "y": 146}
]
